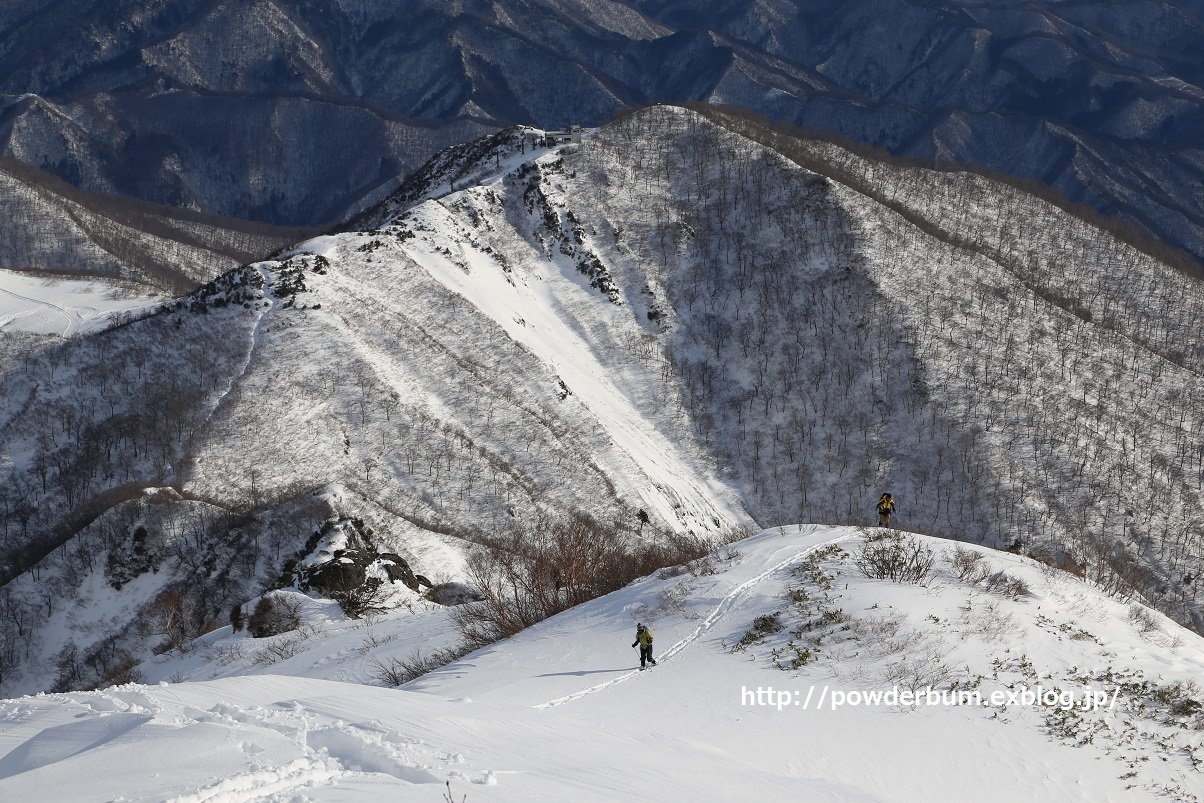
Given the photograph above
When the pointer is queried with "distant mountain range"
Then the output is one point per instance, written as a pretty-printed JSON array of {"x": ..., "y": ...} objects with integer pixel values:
[{"x": 307, "y": 111}]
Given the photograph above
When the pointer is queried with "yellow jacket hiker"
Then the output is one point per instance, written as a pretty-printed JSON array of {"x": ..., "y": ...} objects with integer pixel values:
[
  {"x": 886, "y": 506},
  {"x": 643, "y": 638}
]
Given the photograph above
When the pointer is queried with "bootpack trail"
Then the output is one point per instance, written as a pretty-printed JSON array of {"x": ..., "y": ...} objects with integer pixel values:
[{"x": 717, "y": 614}]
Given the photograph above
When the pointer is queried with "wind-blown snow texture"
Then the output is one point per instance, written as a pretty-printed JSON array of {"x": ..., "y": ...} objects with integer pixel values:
[
  {"x": 674, "y": 318},
  {"x": 297, "y": 111},
  {"x": 561, "y": 711}
]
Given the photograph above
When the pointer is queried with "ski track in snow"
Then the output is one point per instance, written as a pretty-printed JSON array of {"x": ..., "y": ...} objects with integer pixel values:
[
  {"x": 70, "y": 321},
  {"x": 49, "y": 298},
  {"x": 290, "y": 736},
  {"x": 717, "y": 614},
  {"x": 265, "y": 784}
]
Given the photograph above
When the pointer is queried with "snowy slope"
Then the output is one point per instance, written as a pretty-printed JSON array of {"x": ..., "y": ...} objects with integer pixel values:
[
  {"x": 560, "y": 712},
  {"x": 64, "y": 306},
  {"x": 680, "y": 325}
]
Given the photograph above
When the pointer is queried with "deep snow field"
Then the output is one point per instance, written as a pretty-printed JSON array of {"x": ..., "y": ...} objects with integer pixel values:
[
  {"x": 561, "y": 712},
  {"x": 61, "y": 305}
]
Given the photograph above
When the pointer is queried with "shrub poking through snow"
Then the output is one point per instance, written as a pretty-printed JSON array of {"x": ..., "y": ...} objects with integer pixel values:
[
  {"x": 358, "y": 601},
  {"x": 972, "y": 567},
  {"x": 1182, "y": 699},
  {"x": 1006, "y": 585},
  {"x": 762, "y": 626},
  {"x": 534, "y": 572},
  {"x": 966, "y": 563},
  {"x": 891, "y": 556},
  {"x": 398, "y": 671},
  {"x": 281, "y": 649},
  {"x": 274, "y": 614},
  {"x": 812, "y": 616},
  {"x": 1143, "y": 620}
]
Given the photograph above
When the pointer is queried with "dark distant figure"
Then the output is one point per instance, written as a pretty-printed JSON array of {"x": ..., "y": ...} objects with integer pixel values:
[
  {"x": 643, "y": 638},
  {"x": 886, "y": 506}
]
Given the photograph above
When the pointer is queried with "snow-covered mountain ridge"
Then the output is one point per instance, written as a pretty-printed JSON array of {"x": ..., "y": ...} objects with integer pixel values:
[
  {"x": 562, "y": 711},
  {"x": 303, "y": 111},
  {"x": 682, "y": 324}
]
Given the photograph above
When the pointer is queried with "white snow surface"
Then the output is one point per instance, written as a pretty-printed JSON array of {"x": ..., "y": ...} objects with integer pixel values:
[
  {"x": 561, "y": 712},
  {"x": 458, "y": 365},
  {"x": 62, "y": 305},
  {"x": 616, "y": 327},
  {"x": 543, "y": 311}
]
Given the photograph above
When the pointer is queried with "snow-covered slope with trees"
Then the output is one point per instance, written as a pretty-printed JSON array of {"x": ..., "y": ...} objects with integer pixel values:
[
  {"x": 768, "y": 650},
  {"x": 50, "y": 226},
  {"x": 680, "y": 327}
]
